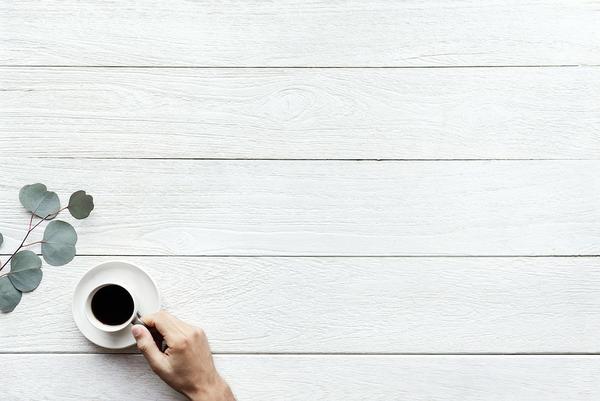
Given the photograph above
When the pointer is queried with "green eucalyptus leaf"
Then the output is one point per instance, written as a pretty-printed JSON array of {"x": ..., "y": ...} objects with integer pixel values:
[
  {"x": 9, "y": 295},
  {"x": 38, "y": 200},
  {"x": 58, "y": 245},
  {"x": 25, "y": 271},
  {"x": 81, "y": 205}
]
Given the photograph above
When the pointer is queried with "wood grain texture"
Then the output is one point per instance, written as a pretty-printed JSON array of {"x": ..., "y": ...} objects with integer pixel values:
[
  {"x": 191, "y": 207},
  {"x": 349, "y": 305},
  {"x": 300, "y": 33},
  {"x": 300, "y": 378},
  {"x": 258, "y": 309},
  {"x": 507, "y": 113}
]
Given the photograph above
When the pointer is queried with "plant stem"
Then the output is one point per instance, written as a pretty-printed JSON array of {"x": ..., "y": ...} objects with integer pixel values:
[
  {"x": 31, "y": 221},
  {"x": 23, "y": 242},
  {"x": 29, "y": 230},
  {"x": 33, "y": 243},
  {"x": 8, "y": 273}
]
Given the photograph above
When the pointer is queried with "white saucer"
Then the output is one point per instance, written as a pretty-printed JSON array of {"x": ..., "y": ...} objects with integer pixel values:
[{"x": 142, "y": 287}]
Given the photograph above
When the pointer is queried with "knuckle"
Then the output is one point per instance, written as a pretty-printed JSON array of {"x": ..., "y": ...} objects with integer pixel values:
[
  {"x": 198, "y": 333},
  {"x": 181, "y": 344}
]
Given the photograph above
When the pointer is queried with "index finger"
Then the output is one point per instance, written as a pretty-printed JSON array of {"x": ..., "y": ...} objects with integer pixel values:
[{"x": 166, "y": 324}]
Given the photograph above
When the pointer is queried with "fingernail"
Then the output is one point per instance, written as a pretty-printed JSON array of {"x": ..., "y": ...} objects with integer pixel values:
[{"x": 137, "y": 330}]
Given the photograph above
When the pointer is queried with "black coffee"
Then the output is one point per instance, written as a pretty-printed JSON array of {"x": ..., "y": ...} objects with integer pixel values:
[{"x": 112, "y": 305}]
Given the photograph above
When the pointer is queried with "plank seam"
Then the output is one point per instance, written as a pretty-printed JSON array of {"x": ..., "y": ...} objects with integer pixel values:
[
  {"x": 356, "y": 354},
  {"x": 327, "y": 256},
  {"x": 297, "y": 66},
  {"x": 298, "y": 159}
]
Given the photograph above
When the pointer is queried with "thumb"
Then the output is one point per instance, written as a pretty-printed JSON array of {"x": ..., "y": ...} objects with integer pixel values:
[{"x": 147, "y": 346}]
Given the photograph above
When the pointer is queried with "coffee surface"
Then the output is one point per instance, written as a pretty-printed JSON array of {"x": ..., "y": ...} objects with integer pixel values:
[{"x": 112, "y": 305}]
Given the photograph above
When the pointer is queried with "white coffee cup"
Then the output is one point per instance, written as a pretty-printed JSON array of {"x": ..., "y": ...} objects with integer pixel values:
[{"x": 109, "y": 328}]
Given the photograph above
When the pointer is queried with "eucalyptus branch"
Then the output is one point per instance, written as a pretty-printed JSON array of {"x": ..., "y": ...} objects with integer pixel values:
[{"x": 58, "y": 242}]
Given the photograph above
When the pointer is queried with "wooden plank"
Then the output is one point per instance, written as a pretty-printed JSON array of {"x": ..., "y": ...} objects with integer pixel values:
[
  {"x": 505, "y": 113},
  {"x": 356, "y": 305},
  {"x": 299, "y": 378},
  {"x": 197, "y": 207},
  {"x": 300, "y": 33}
]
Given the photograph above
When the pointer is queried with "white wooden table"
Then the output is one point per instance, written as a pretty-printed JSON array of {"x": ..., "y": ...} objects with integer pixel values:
[{"x": 358, "y": 200}]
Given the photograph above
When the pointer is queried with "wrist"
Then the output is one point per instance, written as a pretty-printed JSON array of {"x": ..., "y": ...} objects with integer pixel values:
[{"x": 219, "y": 390}]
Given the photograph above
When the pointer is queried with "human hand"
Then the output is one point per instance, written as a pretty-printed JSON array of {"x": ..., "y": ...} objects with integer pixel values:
[{"x": 187, "y": 364}]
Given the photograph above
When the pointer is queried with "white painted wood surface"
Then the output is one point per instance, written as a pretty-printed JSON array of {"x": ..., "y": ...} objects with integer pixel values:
[
  {"x": 93, "y": 96},
  {"x": 300, "y": 33},
  {"x": 350, "y": 305},
  {"x": 465, "y": 113},
  {"x": 316, "y": 377},
  {"x": 225, "y": 207}
]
